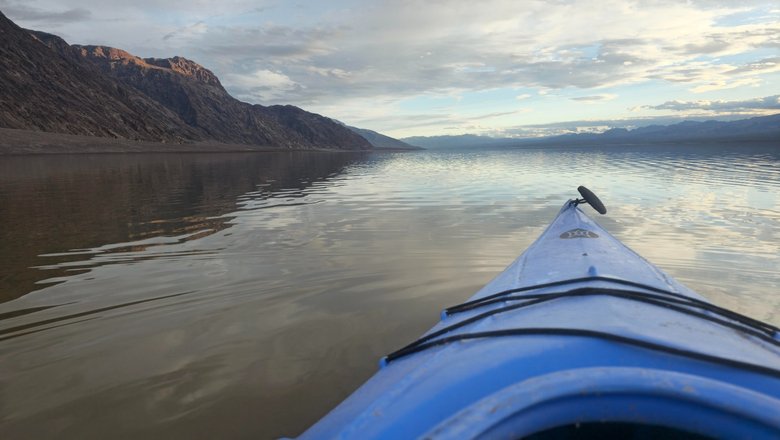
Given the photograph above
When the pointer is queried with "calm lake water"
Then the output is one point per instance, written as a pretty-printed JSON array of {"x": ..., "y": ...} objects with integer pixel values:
[{"x": 244, "y": 295}]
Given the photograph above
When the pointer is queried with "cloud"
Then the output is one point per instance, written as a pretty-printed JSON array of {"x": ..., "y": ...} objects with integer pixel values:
[
  {"x": 601, "y": 125},
  {"x": 28, "y": 13},
  {"x": 705, "y": 76},
  {"x": 271, "y": 43},
  {"x": 497, "y": 114},
  {"x": 424, "y": 48},
  {"x": 440, "y": 120},
  {"x": 338, "y": 73},
  {"x": 749, "y": 105},
  {"x": 262, "y": 84},
  {"x": 187, "y": 32},
  {"x": 765, "y": 65},
  {"x": 595, "y": 98},
  {"x": 419, "y": 47},
  {"x": 262, "y": 78},
  {"x": 724, "y": 84}
]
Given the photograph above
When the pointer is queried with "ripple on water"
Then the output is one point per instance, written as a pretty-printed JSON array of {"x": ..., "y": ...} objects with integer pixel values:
[{"x": 191, "y": 288}]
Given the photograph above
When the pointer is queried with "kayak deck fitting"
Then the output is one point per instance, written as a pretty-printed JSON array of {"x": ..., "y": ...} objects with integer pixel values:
[{"x": 579, "y": 337}]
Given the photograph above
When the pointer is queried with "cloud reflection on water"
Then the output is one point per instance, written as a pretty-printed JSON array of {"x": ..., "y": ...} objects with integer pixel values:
[{"x": 315, "y": 266}]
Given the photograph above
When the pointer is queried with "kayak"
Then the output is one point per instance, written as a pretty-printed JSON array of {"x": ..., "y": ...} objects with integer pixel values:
[{"x": 580, "y": 337}]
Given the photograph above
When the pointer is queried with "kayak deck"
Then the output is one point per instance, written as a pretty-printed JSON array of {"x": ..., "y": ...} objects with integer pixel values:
[{"x": 577, "y": 329}]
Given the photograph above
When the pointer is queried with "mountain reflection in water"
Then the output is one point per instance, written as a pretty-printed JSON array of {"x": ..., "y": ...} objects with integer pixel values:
[{"x": 67, "y": 207}]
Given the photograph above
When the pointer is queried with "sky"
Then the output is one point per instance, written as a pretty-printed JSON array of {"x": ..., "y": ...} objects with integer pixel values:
[{"x": 505, "y": 68}]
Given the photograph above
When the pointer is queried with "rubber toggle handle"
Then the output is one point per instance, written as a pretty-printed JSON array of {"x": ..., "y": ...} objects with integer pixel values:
[{"x": 592, "y": 200}]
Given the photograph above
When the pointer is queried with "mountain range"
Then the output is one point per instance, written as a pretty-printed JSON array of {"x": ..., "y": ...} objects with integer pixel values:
[
  {"x": 764, "y": 129},
  {"x": 48, "y": 85},
  {"x": 381, "y": 141},
  {"x": 55, "y": 96},
  {"x": 454, "y": 141}
]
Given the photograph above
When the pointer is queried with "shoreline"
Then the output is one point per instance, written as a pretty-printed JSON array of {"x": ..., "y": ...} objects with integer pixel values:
[{"x": 17, "y": 142}]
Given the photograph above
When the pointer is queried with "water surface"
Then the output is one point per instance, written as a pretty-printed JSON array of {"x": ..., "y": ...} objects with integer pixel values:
[{"x": 243, "y": 295}]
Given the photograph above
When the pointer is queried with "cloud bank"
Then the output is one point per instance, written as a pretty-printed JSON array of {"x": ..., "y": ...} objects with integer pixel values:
[
  {"x": 24, "y": 12},
  {"x": 750, "y": 105},
  {"x": 371, "y": 61}
]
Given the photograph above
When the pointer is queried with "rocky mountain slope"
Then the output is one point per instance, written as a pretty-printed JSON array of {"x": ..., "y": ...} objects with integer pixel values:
[
  {"x": 43, "y": 91},
  {"x": 49, "y": 85},
  {"x": 381, "y": 141}
]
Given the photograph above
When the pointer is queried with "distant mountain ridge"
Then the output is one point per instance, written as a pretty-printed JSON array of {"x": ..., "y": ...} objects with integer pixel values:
[
  {"x": 756, "y": 129},
  {"x": 48, "y": 85},
  {"x": 381, "y": 141},
  {"x": 452, "y": 141}
]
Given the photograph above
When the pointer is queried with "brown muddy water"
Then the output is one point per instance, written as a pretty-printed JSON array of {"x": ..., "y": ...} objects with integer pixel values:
[{"x": 244, "y": 295}]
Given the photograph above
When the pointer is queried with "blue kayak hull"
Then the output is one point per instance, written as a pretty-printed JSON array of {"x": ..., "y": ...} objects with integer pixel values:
[{"x": 578, "y": 329}]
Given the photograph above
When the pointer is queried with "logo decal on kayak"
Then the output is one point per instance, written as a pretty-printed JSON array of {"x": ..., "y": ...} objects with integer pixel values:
[{"x": 579, "y": 233}]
